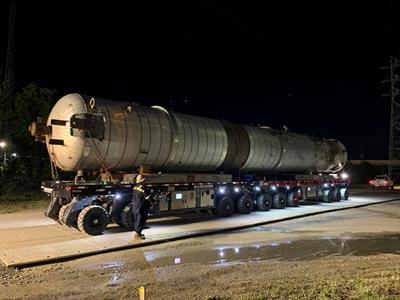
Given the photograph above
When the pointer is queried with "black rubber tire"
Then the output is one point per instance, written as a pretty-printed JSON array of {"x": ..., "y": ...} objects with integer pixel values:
[
  {"x": 328, "y": 197},
  {"x": 279, "y": 200},
  {"x": 92, "y": 220},
  {"x": 225, "y": 206},
  {"x": 127, "y": 218},
  {"x": 264, "y": 202},
  {"x": 320, "y": 196},
  {"x": 61, "y": 214},
  {"x": 119, "y": 223},
  {"x": 54, "y": 206},
  {"x": 107, "y": 206},
  {"x": 336, "y": 195},
  {"x": 113, "y": 219},
  {"x": 245, "y": 204},
  {"x": 344, "y": 193},
  {"x": 290, "y": 200}
]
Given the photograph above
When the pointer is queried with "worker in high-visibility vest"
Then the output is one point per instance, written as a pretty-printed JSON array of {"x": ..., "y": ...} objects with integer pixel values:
[{"x": 140, "y": 207}]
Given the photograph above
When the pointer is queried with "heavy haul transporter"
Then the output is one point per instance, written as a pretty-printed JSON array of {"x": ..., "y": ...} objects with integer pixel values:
[{"x": 190, "y": 163}]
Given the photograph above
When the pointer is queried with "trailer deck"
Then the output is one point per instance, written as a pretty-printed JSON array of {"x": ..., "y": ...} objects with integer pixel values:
[{"x": 30, "y": 238}]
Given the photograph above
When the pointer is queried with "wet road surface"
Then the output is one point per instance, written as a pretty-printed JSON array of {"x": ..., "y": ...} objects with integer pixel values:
[
  {"x": 309, "y": 252},
  {"x": 28, "y": 238},
  {"x": 284, "y": 250}
]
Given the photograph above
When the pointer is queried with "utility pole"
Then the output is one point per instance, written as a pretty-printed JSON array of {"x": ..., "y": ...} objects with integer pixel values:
[
  {"x": 9, "y": 74},
  {"x": 394, "y": 135},
  {"x": 10, "y": 68}
]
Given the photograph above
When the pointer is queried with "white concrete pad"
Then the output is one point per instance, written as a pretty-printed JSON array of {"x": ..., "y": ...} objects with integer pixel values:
[{"x": 31, "y": 238}]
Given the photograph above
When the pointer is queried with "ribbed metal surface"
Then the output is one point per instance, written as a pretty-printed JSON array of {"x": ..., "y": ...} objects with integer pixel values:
[
  {"x": 141, "y": 136},
  {"x": 265, "y": 149},
  {"x": 110, "y": 150},
  {"x": 199, "y": 144},
  {"x": 155, "y": 132},
  {"x": 320, "y": 163},
  {"x": 238, "y": 147},
  {"x": 177, "y": 142},
  {"x": 298, "y": 153}
]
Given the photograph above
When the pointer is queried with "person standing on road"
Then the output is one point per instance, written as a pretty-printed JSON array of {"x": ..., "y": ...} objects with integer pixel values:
[{"x": 140, "y": 207}]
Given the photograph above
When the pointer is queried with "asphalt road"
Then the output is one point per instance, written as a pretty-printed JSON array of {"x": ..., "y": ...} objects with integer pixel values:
[
  {"x": 295, "y": 258},
  {"x": 29, "y": 237}
]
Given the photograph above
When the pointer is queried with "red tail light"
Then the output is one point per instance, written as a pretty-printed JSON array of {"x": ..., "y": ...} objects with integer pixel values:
[{"x": 371, "y": 182}]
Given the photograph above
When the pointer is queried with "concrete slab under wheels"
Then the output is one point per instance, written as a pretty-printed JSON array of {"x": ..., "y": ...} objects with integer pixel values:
[{"x": 31, "y": 238}]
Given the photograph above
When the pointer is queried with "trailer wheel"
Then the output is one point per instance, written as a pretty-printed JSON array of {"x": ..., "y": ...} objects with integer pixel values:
[
  {"x": 290, "y": 200},
  {"x": 225, "y": 207},
  {"x": 127, "y": 219},
  {"x": 112, "y": 218},
  {"x": 328, "y": 196},
  {"x": 61, "y": 214},
  {"x": 344, "y": 193},
  {"x": 245, "y": 204},
  {"x": 264, "y": 202},
  {"x": 54, "y": 206},
  {"x": 320, "y": 195},
  {"x": 61, "y": 217},
  {"x": 93, "y": 220},
  {"x": 279, "y": 200},
  {"x": 336, "y": 195},
  {"x": 107, "y": 206}
]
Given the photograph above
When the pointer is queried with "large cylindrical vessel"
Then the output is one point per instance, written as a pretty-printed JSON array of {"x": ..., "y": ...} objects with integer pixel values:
[{"x": 84, "y": 133}]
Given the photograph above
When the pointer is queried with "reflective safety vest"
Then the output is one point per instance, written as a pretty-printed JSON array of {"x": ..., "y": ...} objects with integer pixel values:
[{"x": 139, "y": 188}]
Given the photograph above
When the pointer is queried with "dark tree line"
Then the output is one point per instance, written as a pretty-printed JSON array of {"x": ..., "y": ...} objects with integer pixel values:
[{"x": 27, "y": 162}]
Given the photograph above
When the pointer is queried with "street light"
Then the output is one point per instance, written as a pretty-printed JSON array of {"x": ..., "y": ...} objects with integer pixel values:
[{"x": 3, "y": 145}]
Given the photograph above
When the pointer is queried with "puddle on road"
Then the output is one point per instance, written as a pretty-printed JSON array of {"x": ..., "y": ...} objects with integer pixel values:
[
  {"x": 286, "y": 250},
  {"x": 108, "y": 265},
  {"x": 109, "y": 272}
]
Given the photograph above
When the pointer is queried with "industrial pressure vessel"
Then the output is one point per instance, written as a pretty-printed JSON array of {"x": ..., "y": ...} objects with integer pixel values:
[{"x": 85, "y": 133}]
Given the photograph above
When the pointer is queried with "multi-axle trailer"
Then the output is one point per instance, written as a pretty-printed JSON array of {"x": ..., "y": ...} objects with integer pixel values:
[
  {"x": 88, "y": 205},
  {"x": 191, "y": 159}
]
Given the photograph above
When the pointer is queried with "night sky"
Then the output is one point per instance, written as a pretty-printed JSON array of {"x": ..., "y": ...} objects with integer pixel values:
[{"x": 313, "y": 67}]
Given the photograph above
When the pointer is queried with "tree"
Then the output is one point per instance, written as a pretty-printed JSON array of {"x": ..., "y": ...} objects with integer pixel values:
[{"x": 32, "y": 166}]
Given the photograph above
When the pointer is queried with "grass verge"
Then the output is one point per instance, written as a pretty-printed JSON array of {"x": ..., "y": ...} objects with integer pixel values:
[{"x": 15, "y": 203}]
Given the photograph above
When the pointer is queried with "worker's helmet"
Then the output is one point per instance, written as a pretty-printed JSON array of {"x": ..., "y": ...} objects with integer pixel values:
[{"x": 139, "y": 178}]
